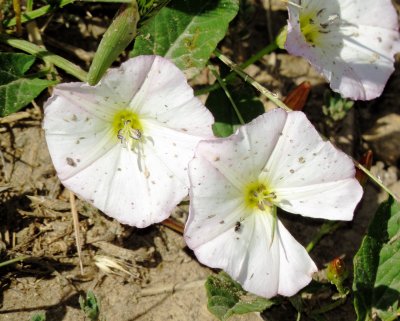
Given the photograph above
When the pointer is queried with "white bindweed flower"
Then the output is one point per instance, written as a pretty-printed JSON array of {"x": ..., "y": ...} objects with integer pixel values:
[
  {"x": 124, "y": 144},
  {"x": 352, "y": 42},
  {"x": 236, "y": 183}
]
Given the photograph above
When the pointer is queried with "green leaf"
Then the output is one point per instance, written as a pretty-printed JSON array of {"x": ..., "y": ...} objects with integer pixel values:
[
  {"x": 17, "y": 90},
  {"x": 186, "y": 32},
  {"x": 90, "y": 306},
  {"x": 39, "y": 317},
  {"x": 226, "y": 298},
  {"x": 377, "y": 266},
  {"x": 226, "y": 120}
]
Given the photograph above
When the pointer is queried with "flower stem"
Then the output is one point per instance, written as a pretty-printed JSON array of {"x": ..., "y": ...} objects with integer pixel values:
[
  {"x": 33, "y": 14},
  {"x": 376, "y": 180},
  {"x": 329, "y": 307},
  {"x": 46, "y": 56},
  {"x": 173, "y": 225},
  {"x": 28, "y": 16},
  {"x": 326, "y": 228},
  {"x": 232, "y": 75},
  {"x": 227, "y": 93},
  {"x": 12, "y": 261},
  {"x": 257, "y": 56},
  {"x": 271, "y": 96},
  {"x": 17, "y": 11}
]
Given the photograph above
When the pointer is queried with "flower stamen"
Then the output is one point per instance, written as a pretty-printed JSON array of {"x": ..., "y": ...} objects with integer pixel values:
[
  {"x": 257, "y": 195},
  {"x": 128, "y": 128},
  {"x": 313, "y": 24}
]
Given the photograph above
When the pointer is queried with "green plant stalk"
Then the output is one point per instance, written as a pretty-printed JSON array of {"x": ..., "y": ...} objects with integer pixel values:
[
  {"x": 227, "y": 93},
  {"x": 118, "y": 36},
  {"x": 17, "y": 11},
  {"x": 271, "y": 96},
  {"x": 30, "y": 15},
  {"x": 232, "y": 75},
  {"x": 326, "y": 228},
  {"x": 29, "y": 5},
  {"x": 376, "y": 180},
  {"x": 258, "y": 55},
  {"x": 33, "y": 14},
  {"x": 45, "y": 55},
  {"x": 329, "y": 307},
  {"x": 106, "y": 1},
  {"x": 16, "y": 260}
]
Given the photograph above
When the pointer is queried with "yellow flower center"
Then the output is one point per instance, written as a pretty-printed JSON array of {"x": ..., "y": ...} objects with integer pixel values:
[
  {"x": 314, "y": 25},
  {"x": 309, "y": 27},
  {"x": 258, "y": 196},
  {"x": 127, "y": 128}
]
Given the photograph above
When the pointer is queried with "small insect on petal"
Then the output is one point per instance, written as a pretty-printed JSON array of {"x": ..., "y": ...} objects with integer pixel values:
[{"x": 237, "y": 226}]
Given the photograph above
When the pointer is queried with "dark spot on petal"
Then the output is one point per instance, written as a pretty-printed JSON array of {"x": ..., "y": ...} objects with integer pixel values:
[{"x": 70, "y": 162}]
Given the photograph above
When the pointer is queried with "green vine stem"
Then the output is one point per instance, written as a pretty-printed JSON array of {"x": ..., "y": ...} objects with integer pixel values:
[
  {"x": 31, "y": 15},
  {"x": 232, "y": 75},
  {"x": 46, "y": 56},
  {"x": 227, "y": 93},
  {"x": 271, "y": 96},
  {"x": 329, "y": 307},
  {"x": 16, "y": 260},
  {"x": 326, "y": 228},
  {"x": 376, "y": 180}
]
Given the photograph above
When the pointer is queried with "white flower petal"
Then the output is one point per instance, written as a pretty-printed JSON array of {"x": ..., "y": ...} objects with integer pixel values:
[
  {"x": 295, "y": 265},
  {"x": 132, "y": 194},
  {"x": 164, "y": 90},
  {"x": 366, "y": 62},
  {"x": 243, "y": 155},
  {"x": 310, "y": 176},
  {"x": 126, "y": 80},
  {"x": 249, "y": 256},
  {"x": 356, "y": 53},
  {"x": 215, "y": 204},
  {"x": 99, "y": 102},
  {"x": 74, "y": 136},
  {"x": 332, "y": 201},
  {"x": 295, "y": 170},
  {"x": 140, "y": 181},
  {"x": 369, "y": 13}
]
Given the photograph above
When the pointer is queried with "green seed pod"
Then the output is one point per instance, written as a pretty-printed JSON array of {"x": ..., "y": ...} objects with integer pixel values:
[
  {"x": 336, "y": 273},
  {"x": 117, "y": 37},
  {"x": 281, "y": 38}
]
